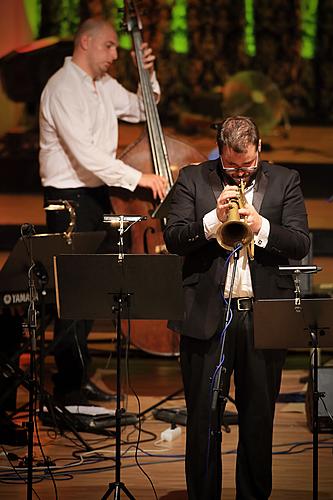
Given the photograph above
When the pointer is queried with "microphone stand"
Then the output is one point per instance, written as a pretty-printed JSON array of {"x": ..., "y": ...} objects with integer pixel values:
[
  {"x": 295, "y": 271},
  {"x": 32, "y": 329},
  {"x": 121, "y": 298},
  {"x": 218, "y": 400},
  {"x": 315, "y": 427},
  {"x": 43, "y": 279}
]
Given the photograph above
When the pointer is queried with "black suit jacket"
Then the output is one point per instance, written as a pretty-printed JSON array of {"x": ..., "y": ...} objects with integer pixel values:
[{"x": 277, "y": 197}]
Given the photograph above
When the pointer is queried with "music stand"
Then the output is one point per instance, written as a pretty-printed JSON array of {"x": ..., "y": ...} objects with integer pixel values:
[
  {"x": 14, "y": 273},
  {"x": 32, "y": 258},
  {"x": 305, "y": 324},
  {"x": 149, "y": 286},
  {"x": 14, "y": 282}
]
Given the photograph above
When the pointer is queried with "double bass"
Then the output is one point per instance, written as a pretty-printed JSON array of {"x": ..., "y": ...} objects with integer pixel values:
[{"x": 152, "y": 152}]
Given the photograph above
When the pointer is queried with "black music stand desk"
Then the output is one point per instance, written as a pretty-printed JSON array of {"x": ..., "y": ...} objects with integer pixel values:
[
  {"x": 281, "y": 324},
  {"x": 86, "y": 285},
  {"x": 14, "y": 279},
  {"x": 278, "y": 326},
  {"x": 14, "y": 274}
]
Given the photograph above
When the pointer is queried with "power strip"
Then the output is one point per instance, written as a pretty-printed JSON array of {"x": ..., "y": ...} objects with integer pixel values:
[{"x": 171, "y": 434}]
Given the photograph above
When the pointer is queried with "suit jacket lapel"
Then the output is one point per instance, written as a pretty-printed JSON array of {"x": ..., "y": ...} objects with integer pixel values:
[
  {"x": 215, "y": 182},
  {"x": 260, "y": 189}
]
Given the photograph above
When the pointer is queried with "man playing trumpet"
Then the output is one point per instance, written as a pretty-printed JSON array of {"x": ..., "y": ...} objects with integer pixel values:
[{"x": 276, "y": 217}]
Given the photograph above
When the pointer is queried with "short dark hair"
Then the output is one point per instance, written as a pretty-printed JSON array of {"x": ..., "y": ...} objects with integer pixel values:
[{"x": 237, "y": 132}]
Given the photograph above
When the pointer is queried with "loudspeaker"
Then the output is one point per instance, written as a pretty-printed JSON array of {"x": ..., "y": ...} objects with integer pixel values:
[{"x": 325, "y": 384}]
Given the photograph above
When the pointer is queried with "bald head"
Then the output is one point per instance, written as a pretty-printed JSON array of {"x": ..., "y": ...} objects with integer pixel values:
[
  {"x": 95, "y": 47},
  {"x": 91, "y": 27}
]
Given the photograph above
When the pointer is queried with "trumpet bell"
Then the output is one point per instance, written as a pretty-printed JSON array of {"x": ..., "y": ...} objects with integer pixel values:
[{"x": 232, "y": 233}]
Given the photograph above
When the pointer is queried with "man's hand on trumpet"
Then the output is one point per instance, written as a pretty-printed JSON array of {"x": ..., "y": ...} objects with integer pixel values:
[
  {"x": 223, "y": 201},
  {"x": 253, "y": 219}
]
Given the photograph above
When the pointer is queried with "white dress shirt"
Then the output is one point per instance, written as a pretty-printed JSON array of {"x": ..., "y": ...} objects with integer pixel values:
[
  {"x": 79, "y": 129},
  {"x": 243, "y": 283}
]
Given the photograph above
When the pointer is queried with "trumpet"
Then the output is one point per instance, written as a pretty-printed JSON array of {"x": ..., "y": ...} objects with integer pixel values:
[{"x": 235, "y": 230}]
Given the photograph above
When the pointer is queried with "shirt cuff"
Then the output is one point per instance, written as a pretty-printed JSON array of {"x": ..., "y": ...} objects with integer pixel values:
[
  {"x": 211, "y": 223},
  {"x": 154, "y": 83},
  {"x": 133, "y": 179},
  {"x": 261, "y": 238}
]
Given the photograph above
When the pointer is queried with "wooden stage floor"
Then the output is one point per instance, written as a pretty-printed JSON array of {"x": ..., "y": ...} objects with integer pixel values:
[{"x": 87, "y": 474}]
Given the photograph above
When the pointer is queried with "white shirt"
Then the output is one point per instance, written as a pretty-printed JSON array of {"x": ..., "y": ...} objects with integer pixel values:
[
  {"x": 243, "y": 283},
  {"x": 79, "y": 129}
]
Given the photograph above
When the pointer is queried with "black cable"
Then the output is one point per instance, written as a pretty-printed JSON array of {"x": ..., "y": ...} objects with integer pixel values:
[
  {"x": 139, "y": 427},
  {"x": 46, "y": 461},
  {"x": 61, "y": 475},
  {"x": 22, "y": 479}
]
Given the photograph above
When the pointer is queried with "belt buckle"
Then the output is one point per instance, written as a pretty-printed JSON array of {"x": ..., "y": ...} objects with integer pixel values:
[{"x": 239, "y": 304}]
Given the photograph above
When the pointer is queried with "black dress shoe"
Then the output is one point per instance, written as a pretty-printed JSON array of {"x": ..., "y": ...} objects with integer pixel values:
[{"x": 91, "y": 391}]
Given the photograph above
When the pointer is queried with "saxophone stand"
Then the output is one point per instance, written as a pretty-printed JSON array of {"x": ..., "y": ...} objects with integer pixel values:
[
  {"x": 303, "y": 323},
  {"x": 219, "y": 401}
]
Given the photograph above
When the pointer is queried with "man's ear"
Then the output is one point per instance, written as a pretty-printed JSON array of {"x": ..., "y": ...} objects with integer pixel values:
[
  {"x": 84, "y": 41},
  {"x": 259, "y": 145}
]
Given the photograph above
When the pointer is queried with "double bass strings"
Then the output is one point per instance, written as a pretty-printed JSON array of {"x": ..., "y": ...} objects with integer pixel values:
[{"x": 160, "y": 154}]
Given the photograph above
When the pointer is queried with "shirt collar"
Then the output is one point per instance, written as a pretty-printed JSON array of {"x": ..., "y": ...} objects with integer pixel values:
[{"x": 84, "y": 77}]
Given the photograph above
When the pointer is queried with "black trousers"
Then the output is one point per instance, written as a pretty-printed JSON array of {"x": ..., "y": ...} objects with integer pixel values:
[
  {"x": 257, "y": 376},
  {"x": 71, "y": 351}
]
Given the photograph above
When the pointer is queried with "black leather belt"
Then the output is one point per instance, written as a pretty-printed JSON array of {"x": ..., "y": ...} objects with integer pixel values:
[{"x": 242, "y": 303}]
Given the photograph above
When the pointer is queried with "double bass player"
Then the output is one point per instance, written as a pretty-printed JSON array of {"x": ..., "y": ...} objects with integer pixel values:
[{"x": 79, "y": 111}]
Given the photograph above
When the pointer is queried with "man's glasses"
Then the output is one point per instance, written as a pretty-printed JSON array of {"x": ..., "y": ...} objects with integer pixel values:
[{"x": 250, "y": 168}]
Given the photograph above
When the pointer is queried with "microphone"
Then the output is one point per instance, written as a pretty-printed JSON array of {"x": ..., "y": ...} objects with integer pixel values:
[
  {"x": 238, "y": 245},
  {"x": 28, "y": 229},
  {"x": 123, "y": 220}
]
